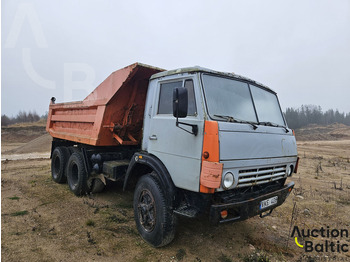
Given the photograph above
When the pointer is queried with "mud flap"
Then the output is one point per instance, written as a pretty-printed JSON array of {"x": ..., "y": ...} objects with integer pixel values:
[{"x": 97, "y": 183}]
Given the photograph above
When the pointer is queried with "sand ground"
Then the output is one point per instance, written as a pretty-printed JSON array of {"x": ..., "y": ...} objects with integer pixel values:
[{"x": 44, "y": 221}]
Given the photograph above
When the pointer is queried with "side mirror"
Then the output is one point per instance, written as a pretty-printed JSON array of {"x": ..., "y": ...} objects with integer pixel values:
[
  {"x": 180, "y": 106},
  {"x": 180, "y": 102}
]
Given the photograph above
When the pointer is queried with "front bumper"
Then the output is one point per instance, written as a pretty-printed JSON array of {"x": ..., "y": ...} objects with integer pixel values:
[{"x": 244, "y": 209}]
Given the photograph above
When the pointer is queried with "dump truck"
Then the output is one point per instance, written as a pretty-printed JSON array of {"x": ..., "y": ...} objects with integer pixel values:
[{"x": 190, "y": 142}]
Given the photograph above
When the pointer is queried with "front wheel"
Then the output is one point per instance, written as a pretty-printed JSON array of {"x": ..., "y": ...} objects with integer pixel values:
[{"x": 155, "y": 220}]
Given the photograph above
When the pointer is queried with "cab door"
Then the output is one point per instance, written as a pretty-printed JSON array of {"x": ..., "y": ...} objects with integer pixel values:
[{"x": 179, "y": 150}]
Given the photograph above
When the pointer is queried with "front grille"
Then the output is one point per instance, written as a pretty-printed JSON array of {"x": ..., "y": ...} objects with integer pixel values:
[
  {"x": 258, "y": 176},
  {"x": 244, "y": 193}
]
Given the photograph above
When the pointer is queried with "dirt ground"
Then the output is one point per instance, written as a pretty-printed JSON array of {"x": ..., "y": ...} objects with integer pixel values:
[
  {"x": 329, "y": 133},
  {"x": 43, "y": 221}
]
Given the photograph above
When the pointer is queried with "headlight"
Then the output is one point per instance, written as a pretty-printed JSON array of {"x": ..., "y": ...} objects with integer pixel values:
[
  {"x": 289, "y": 170},
  {"x": 228, "y": 180}
]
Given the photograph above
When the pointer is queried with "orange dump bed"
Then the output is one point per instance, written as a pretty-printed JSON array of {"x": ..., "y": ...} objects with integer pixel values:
[{"x": 111, "y": 115}]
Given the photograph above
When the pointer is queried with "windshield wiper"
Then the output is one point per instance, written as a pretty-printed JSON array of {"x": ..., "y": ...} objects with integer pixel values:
[
  {"x": 235, "y": 120},
  {"x": 274, "y": 125}
]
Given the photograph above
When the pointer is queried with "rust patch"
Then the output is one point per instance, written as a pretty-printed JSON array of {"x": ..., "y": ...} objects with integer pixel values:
[{"x": 211, "y": 174}]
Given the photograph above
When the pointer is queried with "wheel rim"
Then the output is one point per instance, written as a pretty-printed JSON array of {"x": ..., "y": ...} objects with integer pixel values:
[{"x": 147, "y": 210}]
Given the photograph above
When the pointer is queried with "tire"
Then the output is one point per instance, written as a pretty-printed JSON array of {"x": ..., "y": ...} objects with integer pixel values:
[
  {"x": 154, "y": 219},
  {"x": 76, "y": 174},
  {"x": 59, "y": 160},
  {"x": 73, "y": 149}
]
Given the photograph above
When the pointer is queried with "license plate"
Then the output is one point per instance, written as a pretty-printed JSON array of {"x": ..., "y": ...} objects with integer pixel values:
[{"x": 268, "y": 202}]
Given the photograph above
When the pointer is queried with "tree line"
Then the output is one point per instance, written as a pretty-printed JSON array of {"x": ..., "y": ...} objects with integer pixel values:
[
  {"x": 296, "y": 118},
  {"x": 21, "y": 117},
  {"x": 312, "y": 114}
]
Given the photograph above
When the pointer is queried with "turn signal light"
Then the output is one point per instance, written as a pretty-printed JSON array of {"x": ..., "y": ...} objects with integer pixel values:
[{"x": 223, "y": 214}]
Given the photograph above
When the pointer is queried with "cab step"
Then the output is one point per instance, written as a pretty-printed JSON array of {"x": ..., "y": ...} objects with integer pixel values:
[{"x": 186, "y": 211}]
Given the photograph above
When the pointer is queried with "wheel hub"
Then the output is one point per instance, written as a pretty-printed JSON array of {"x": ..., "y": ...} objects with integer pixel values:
[{"x": 147, "y": 210}]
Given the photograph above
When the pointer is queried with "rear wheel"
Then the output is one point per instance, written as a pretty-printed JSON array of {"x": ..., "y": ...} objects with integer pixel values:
[
  {"x": 59, "y": 160},
  {"x": 155, "y": 220},
  {"x": 76, "y": 174}
]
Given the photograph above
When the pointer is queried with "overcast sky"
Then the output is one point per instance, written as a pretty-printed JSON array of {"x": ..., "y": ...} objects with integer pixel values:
[{"x": 65, "y": 48}]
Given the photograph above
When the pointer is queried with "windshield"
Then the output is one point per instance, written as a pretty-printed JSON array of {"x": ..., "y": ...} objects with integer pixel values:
[
  {"x": 229, "y": 97},
  {"x": 267, "y": 106}
]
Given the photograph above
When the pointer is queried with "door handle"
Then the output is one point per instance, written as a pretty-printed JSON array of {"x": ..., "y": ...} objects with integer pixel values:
[{"x": 153, "y": 137}]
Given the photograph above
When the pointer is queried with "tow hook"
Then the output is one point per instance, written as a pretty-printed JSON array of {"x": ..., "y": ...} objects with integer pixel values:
[{"x": 267, "y": 213}]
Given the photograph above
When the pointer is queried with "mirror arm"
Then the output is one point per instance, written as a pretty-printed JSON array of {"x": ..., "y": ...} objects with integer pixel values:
[{"x": 194, "y": 127}]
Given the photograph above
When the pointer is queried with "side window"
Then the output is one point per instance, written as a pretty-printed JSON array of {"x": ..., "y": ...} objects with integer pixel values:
[{"x": 165, "y": 105}]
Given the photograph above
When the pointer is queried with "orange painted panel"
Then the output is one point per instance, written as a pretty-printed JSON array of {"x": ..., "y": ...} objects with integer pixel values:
[
  {"x": 211, "y": 170},
  {"x": 115, "y": 107},
  {"x": 74, "y": 118},
  {"x": 211, "y": 141}
]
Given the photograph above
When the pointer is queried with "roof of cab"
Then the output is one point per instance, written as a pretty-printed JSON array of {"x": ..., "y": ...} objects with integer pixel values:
[{"x": 196, "y": 69}]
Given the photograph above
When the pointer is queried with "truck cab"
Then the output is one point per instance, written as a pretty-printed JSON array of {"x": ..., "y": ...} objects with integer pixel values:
[{"x": 240, "y": 126}]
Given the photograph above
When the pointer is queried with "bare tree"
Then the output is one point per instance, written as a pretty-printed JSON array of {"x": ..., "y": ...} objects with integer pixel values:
[{"x": 5, "y": 120}]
